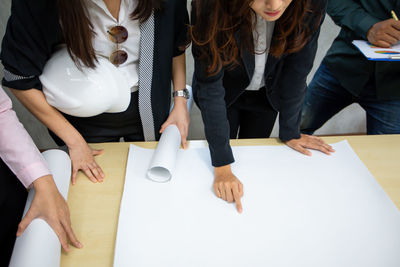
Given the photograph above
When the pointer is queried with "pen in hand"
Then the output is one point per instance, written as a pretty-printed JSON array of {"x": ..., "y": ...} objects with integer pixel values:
[{"x": 394, "y": 16}]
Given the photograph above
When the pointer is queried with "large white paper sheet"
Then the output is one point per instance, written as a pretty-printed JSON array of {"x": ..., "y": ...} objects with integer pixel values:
[
  {"x": 38, "y": 246},
  {"x": 297, "y": 211}
]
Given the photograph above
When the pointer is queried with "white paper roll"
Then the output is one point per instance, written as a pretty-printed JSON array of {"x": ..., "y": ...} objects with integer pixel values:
[
  {"x": 164, "y": 157},
  {"x": 39, "y": 246}
]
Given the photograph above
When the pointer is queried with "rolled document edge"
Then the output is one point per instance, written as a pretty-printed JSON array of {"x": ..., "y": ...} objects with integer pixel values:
[
  {"x": 38, "y": 246},
  {"x": 159, "y": 170},
  {"x": 163, "y": 162}
]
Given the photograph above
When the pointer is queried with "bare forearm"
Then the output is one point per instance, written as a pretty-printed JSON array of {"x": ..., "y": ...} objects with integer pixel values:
[
  {"x": 36, "y": 103},
  {"x": 179, "y": 72},
  {"x": 179, "y": 77},
  {"x": 82, "y": 156}
]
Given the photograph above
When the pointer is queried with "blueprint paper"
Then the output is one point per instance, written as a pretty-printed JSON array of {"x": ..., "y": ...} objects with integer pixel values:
[
  {"x": 297, "y": 211},
  {"x": 39, "y": 246}
]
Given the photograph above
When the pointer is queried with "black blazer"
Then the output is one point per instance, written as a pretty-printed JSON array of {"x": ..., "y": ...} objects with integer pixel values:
[
  {"x": 33, "y": 33},
  {"x": 285, "y": 82}
]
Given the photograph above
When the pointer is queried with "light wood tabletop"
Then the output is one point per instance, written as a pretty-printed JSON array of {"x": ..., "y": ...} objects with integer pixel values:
[{"x": 95, "y": 207}]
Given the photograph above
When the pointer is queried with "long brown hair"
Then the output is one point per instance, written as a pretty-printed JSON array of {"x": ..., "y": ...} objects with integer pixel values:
[
  {"x": 218, "y": 21},
  {"x": 78, "y": 30}
]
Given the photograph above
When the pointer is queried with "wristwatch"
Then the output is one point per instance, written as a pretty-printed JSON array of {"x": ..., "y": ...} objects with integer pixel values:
[{"x": 184, "y": 92}]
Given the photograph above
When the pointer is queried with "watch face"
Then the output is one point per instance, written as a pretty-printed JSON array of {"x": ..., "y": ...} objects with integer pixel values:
[{"x": 186, "y": 93}]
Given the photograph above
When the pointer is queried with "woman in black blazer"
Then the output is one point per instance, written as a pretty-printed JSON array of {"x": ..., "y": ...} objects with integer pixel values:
[
  {"x": 37, "y": 28},
  {"x": 252, "y": 59}
]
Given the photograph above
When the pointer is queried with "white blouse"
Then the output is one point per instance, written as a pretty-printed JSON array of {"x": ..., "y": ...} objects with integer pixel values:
[
  {"x": 262, "y": 36},
  {"x": 103, "y": 21}
]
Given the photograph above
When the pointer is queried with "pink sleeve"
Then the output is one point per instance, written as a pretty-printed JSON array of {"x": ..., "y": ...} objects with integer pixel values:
[{"x": 17, "y": 149}]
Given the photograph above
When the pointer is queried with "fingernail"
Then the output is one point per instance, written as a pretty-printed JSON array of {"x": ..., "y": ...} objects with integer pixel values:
[{"x": 79, "y": 245}]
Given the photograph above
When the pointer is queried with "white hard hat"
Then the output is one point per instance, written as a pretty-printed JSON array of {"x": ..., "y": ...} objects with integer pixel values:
[{"x": 86, "y": 92}]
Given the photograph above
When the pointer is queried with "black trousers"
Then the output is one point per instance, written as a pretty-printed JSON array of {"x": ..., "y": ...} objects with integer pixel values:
[
  {"x": 251, "y": 115},
  {"x": 12, "y": 202},
  {"x": 109, "y": 127}
]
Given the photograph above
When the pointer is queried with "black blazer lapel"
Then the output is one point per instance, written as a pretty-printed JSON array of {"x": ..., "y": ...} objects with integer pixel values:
[
  {"x": 271, "y": 64},
  {"x": 249, "y": 60},
  {"x": 247, "y": 57}
]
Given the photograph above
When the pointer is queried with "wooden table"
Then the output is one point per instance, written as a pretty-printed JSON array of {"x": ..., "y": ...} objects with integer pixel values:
[{"x": 95, "y": 207}]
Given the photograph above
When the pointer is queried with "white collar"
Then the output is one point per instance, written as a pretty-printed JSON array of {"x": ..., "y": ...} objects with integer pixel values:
[{"x": 123, "y": 10}]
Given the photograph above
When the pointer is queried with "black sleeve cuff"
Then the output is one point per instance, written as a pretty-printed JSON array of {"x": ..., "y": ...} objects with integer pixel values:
[
  {"x": 221, "y": 156},
  {"x": 289, "y": 134},
  {"x": 23, "y": 84}
]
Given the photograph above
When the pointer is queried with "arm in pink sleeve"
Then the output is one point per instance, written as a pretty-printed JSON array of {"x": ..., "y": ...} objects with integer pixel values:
[{"x": 17, "y": 149}]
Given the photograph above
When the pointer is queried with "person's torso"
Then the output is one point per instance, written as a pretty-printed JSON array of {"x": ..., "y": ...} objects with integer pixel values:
[
  {"x": 350, "y": 66},
  {"x": 102, "y": 22}
]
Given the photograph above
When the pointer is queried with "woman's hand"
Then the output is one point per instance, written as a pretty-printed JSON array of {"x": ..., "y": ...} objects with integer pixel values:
[
  {"x": 82, "y": 158},
  {"x": 312, "y": 142},
  {"x": 49, "y": 205},
  {"x": 180, "y": 117},
  {"x": 227, "y": 186},
  {"x": 80, "y": 153}
]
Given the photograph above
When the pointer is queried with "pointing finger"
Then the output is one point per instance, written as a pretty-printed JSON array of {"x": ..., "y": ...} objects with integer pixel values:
[{"x": 236, "y": 197}]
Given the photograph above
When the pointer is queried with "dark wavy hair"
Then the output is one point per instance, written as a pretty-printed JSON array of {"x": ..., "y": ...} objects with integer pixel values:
[
  {"x": 218, "y": 21},
  {"x": 78, "y": 31}
]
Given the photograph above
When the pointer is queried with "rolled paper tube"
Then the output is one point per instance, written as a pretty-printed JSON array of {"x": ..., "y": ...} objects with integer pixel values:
[
  {"x": 164, "y": 157},
  {"x": 39, "y": 246}
]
